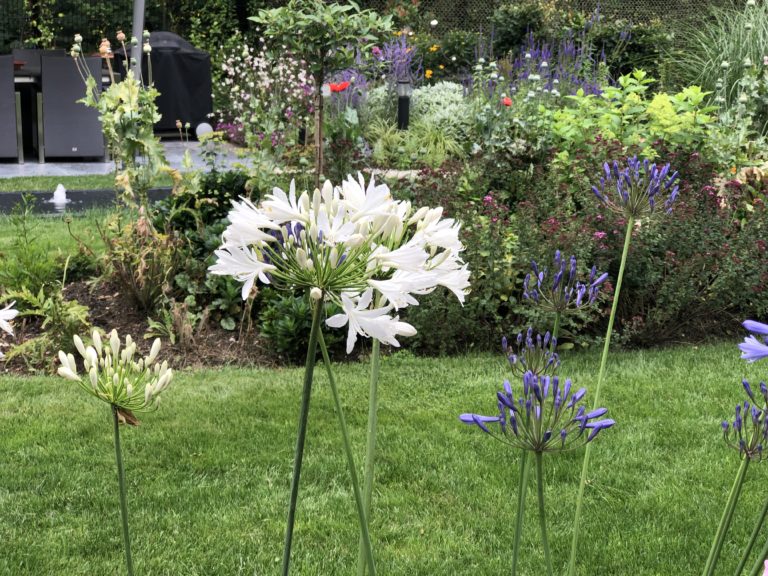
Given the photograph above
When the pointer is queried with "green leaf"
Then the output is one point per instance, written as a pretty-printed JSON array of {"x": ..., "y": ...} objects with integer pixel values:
[{"x": 227, "y": 323}]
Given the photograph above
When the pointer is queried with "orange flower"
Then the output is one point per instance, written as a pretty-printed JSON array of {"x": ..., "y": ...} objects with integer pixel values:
[
  {"x": 428, "y": 74},
  {"x": 507, "y": 101}
]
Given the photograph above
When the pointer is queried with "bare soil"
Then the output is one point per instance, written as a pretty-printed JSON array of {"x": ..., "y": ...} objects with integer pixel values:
[{"x": 208, "y": 346}]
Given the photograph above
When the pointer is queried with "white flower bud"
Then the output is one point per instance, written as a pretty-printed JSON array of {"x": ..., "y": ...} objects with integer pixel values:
[
  {"x": 79, "y": 345},
  {"x": 114, "y": 343},
  {"x": 301, "y": 257},
  {"x": 129, "y": 389},
  {"x": 97, "y": 342},
  {"x": 93, "y": 374},
  {"x": 315, "y": 293},
  {"x": 148, "y": 393},
  {"x": 153, "y": 352},
  {"x": 67, "y": 373}
]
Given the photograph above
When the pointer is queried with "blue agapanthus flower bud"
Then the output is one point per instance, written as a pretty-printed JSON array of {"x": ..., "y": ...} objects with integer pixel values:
[
  {"x": 565, "y": 291},
  {"x": 637, "y": 189},
  {"x": 749, "y": 430},
  {"x": 532, "y": 354},
  {"x": 552, "y": 419}
]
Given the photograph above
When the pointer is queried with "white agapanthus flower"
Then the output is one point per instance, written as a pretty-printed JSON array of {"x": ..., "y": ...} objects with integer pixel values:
[
  {"x": 114, "y": 374},
  {"x": 355, "y": 244},
  {"x": 6, "y": 315}
]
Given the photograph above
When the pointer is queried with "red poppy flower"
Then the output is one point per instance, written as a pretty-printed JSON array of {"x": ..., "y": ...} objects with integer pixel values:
[
  {"x": 507, "y": 101},
  {"x": 340, "y": 87}
]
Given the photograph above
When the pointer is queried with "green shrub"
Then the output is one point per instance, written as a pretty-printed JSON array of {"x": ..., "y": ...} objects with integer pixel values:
[
  {"x": 28, "y": 264},
  {"x": 512, "y": 22}
]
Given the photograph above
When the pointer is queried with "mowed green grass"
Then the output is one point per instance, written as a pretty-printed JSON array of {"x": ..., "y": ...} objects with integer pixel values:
[
  {"x": 209, "y": 473},
  {"x": 52, "y": 232}
]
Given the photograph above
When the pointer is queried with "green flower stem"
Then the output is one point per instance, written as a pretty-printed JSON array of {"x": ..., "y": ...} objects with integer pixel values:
[
  {"x": 556, "y": 327},
  {"x": 350, "y": 460},
  {"x": 370, "y": 448},
  {"x": 752, "y": 539},
  {"x": 758, "y": 566},
  {"x": 725, "y": 521},
  {"x": 522, "y": 489},
  {"x": 600, "y": 377},
  {"x": 542, "y": 512},
  {"x": 123, "y": 497},
  {"x": 303, "y": 416}
]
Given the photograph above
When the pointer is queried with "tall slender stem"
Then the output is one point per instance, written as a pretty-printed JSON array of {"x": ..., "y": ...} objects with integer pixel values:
[
  {"x": 601, "y": 375},
  {"x": 542, "y": 512},
  {"x": 522, "y": 489},
  {"x": 725, "y": 521},
  {"x": 752, "y": 539},
  {"x": 556, "y": 327},
  {"x": 309, "y": 368},
  {"x": 123, "y": 497},
  {"x": 350, "y": 461},
  {"x": 759, "y": 561},
  {"x": 370, "y": 448}
]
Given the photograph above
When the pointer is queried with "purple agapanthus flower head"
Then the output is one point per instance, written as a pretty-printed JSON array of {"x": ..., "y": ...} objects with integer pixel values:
[
  {"x": 637, "y": 189},
  {"x": 532, "y": 352},
  {"x": 754, "y": 348},
  {"x": 748, "y": 432},
  {"x": 560, "y": 290},
  {"x": 546, "y": 415}
]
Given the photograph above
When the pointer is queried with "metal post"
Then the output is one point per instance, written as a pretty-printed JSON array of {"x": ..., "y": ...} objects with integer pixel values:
[
  {"x": 403, "y": 112},
  {"x": 137, "y": 31},
  {"x": 19, "y": 135}
]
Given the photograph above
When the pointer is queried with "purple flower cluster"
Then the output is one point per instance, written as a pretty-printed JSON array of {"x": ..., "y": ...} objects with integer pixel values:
[
  {"x": 532, "y": 354},
  {"x": 565, "y": 70},
  {"x": 636, "y": 189},
  {"x": 565, "y": 290},
  {"x": 401, "y": 62},
  {"x": 546, "y": 417},
  {"x": 748, "y": 432}
]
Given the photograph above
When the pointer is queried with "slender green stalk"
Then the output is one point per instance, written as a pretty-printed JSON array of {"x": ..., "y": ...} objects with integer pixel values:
[
  {"x": 725, "y": 521},
  {"x": 556, "y": 327},
  {"x": 759, "y": 561},
  {"x": 370, "y": 448},
  {"x": 123, "y": 497},
  {"x": 752, "y": 539},
  {"x": 302, "y": 433},
  {"x": 542, "y": 512},
  {"x": 601, "y": 375},
  {"x": 522, "y": 490},
  {"x": 350, "y": 460}
]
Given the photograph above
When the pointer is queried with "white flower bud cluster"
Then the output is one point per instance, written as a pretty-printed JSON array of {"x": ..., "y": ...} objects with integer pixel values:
[{"x": 115, "y": 374}]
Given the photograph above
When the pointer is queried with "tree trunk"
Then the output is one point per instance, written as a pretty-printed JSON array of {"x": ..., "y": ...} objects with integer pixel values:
[{"x": 319, "y": 125}]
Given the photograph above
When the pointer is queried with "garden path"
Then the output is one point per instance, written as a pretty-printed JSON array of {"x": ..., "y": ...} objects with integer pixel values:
[{"x": 174, "y": 150}]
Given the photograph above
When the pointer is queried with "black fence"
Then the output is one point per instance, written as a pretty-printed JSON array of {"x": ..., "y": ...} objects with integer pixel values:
[{"x": 63, "y": 18}]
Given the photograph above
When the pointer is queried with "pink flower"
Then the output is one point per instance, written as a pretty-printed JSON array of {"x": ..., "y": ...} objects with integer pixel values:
[
  {"x": 488, "y": 199},
  {"x": 766, "y": 562},
  {"x": 599, "y": 235}
]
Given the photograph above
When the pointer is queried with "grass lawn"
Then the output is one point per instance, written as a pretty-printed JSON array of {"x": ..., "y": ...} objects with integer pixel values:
[
  {"x": 51, "y": 232},
  {"x": 86, "y": 182},
  {"x": 209, "y": 473}
]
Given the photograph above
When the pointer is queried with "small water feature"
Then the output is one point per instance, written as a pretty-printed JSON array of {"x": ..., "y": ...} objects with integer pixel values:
[
  {"x": 71, "y": 200},
  {"x": 59, "y": 199}
]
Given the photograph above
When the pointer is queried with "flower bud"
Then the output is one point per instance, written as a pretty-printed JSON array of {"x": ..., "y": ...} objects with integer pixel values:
[
  {"x": 315, "y": 293},
  {"x": 153, "y": 352},
  {"x": 120, "y": 36},
  {"x": 78, "y": 39}
]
